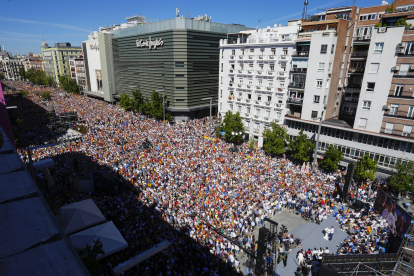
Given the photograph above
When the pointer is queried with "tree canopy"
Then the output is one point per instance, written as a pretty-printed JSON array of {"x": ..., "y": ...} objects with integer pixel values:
[
  {"x": 46, "y": 95},
  {"x": 89, "y": 256},
  {"x": 125, "y": 102},
  {"x": 38, "y": 77},
  {"x": 232, "y": 122},
  {"x": 2, "y": 77},
  {"x": 365, "y": 169},
  {"x": 68, "y": 84},
  {"x": 403, "y": 180},
  {"x": 275, "y": 139},
  {"x": 332, "y": 158},
  {"x": 301, "y": 147}
]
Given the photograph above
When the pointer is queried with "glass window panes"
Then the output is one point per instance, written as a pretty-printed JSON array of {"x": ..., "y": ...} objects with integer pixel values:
[
  {"x": 366, "y": 105},
  {"x": 378, "y": 47}
]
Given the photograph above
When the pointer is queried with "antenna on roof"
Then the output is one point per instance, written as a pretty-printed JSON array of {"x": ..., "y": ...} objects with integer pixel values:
[
  {"x": 258, "y": 21},
  {"x": 177, "y": 12},
  {"x": 305, "y": 9}
]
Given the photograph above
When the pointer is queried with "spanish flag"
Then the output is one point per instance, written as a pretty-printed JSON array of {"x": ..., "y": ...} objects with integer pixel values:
[
  {"x": 347, "y": 212},
  {"x": 255, "y": 247}
]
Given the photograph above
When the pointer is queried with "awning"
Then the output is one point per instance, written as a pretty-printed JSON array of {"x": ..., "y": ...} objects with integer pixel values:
[{"x": 303, "y": 43}]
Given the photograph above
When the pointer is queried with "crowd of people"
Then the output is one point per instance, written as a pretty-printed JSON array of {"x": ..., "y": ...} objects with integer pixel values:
[{"x": 183, "y": 188}]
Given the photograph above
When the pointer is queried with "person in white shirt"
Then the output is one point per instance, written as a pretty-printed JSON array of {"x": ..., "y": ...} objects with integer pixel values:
[
  {"x": 331, "y": 232},
  {"x": 326, "y": 251}
]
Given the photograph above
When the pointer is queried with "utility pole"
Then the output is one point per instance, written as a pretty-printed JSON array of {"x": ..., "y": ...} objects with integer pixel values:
[{"x": 317, "y": 143}]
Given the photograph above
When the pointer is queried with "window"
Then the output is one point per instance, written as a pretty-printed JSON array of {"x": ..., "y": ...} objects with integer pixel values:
[
  {"x": 324, "y": 48},
  {"x": 269, "y": 98},
  {"x": 366, "y": 105},
  {"x": 316, "y": 99},
  {"x": 267, "y": 113},
  {"x": 318, "y": 83},
  {"x": 314, "y": 114},
  {"x": 248, "y": 109},
  {"x": 394, "y": 109},
  {"x": 239, "y": 108},
  {"x": 233, "y": 52},
  {"x": 285, "y": 50},
  {"x": 407, "y": 130},
  {"x": 333, "y": 48},
  {"x": 409, "y": 49},
  {"x": 370, "y": 86},
  {"x": 179, "y": 100},
  {"x": 388, "y": 128},
  {"x": 321, "y": 66},
  {"x": 249, "y": 96},
  {"x": 259, "y": 97},
  {"x": 231, "y": 107},
  {"x": 373, "y": 69},
  {"x": 410, "y": 112},
  {"x": 257, "y": 111},
  {"x": 181, "y": 64},
  {"x": 251, "y": 50},
  {"x": 278, "y": 115},
  {"x": 362, "y": 122},
  {"x": 327, "y": 83},
  {"x": 330, "y": 66},
  {"x": 256, "y": 125},
  {"x": 378, "y": 47},
  {"x": 371, "y": 16},
  {"x": 398, "y": 90}
]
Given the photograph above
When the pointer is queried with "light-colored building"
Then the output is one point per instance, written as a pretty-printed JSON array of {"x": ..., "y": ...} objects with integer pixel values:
[
  {"x": 34, "y": 61},
  {"x": 56, "y": 59},
  {"x": 9, "y": 66},
  {"x": 93, "y": 65},
  {"x": 254, "y": 75}
]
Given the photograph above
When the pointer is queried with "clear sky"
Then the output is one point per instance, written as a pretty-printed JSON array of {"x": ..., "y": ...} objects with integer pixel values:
[{"x": 24, "y": 23}]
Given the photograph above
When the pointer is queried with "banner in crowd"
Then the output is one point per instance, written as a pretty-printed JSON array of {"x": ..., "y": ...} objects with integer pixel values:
[{"x": 397, "y": 218}]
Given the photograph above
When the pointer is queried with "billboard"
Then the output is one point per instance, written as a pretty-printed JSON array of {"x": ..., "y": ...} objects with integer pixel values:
[{"x": 398, "y": 219}]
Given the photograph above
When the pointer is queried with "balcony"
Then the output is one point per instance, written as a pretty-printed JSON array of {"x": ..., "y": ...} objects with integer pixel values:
[
  {"x": 283, "y": 57},
  {"x": 251, "y": 57},
  {"x": 295, "y": 101},
  {"x": 347, "y": 113},
  {"x": 239, "y": 85},
  {"x": 353, "y": 85},
  {"x": 239, "y": 99},
  {"x": 246, "y": 115},
  {"x": 395, "y": 132},
  {"x": 232, "y": 57},
  {"x": 260, "y": 57},
  {"x": 240, "y": 71},
  {"x": 271, "y": 57},
  {"x": 404, "y": 74},
  {"x": 266, "y": 118},
  {"x": 296, "y": 85},
  {"x": 241, "y": 57},
  {"x": 257, "y": 102},
  {"x": 350, "y": 99},
  {"x": 267, "y": 103},
  {"x": 298, "y": 70},
  {"x": 255, "y": 130},
  {"x": 356, "y": 70},
  {"x": 362, "y": 38},
  {"x": 269, "y": 88},
  {"x": 259, "y": 72},
  {"x": 359, "y": 54},
  {"x": 300, "y": 54},
  {"x": 256, "y": 116},
  {"x": 250, "y": 72},
  {"x": 270, "y": 73},
  {"x": 282, "y": 73},
  {"x": 248, "y": 86},
  {"x": 309, "y": 35},
  {"x": 231, "y": 71}
]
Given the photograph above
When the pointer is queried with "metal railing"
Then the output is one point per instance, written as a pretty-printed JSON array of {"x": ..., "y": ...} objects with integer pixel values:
[
  {"x": 300, "y": 54},
  {"x": 347, "y": 113},
  {"x": 362, "y": 37},
  {"x": 359, "y": 53},
  {"x": 356, "y": 70},
  {"x": 295, "y": 100},
  {"x": 296, "y": 85},
  {"x": 404, "y": 74},
  {"x": 350, "y": 99},
  {"x": 298, "y": 70}
]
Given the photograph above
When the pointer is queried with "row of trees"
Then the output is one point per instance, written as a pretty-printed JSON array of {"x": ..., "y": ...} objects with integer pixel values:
[
  {"x": 153, "y": 107},
  {"x": 38, "y": 77},
  {"x": 68, "y": 84}
]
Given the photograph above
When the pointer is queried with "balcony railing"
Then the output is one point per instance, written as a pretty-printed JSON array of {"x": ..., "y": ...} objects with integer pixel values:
[
  {"x": 300, "y": 54},
  {"x": 241, "y": 57},
  {"x": 240, "y": 71},
  {"x": 259, "y": 72},
  {"x": 256, "y": 116},
  {"x": 271, "y": 56},
  {"x": 232, "y": 57},
  {"x": 283, "y": 57},
  {"x": 231, "y": 71},
  {"x": 351, "y": 99},
  {"x": 260, "y": 57},
  {"x": 347, "y": 113},
  {"x": 239, "y": 99},
  {"x": 395, "y": 132},
  {"x": 298, "y": 70},
  {"x": 353, "y": 85},
  {"x": 359, "y": 54},
  {"x": 356, "y": 70},
  {"x": 362, "y": 38},
  {"x": 251, "y": 57},
  {"x": 269, "y": 88},
  {"x": 246, "y": 115},
  {"x": 249, "y": 71},
  {"x": 296, "y": 85},
  {"x": 404, "y": 74},
  {"x": 247, "y": 100},
  {"x": 270, "y": 73},
  {"x": 255, "y": 130},
  {"x": 281, "y": 73},
  {"x": 267, "y": 103},
  {"x": 295, "y": 100},
  {"x": 257, "y": 102}
]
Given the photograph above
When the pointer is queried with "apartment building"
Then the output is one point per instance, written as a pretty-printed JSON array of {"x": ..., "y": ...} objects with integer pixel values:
[
  {"x": 9, "y": 65},
  {"x": 77, "y": 71},
  {"x": 254, "y": 75},
  {"x": 369, "y": 107},
  {"x": 56, "y": 59},
  {"x": 34, "y": 61}
]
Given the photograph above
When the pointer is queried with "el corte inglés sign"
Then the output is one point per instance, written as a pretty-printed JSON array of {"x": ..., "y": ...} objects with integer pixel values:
[{"x": 150, "y": 43}]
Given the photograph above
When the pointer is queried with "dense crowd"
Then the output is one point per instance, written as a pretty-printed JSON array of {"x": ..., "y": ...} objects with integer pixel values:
[{"x": 173, "y": 189}]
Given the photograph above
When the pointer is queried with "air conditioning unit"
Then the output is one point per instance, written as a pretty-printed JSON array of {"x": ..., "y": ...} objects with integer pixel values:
[
  {"x": 400, "y": 51},
  {"x": 386, "y": 107},
  {"x": 395, "y": 68},
  {"x": 382, "y": 29},
  {"x": 401, "y": 45},
  {"x": 325, "y": 105}
]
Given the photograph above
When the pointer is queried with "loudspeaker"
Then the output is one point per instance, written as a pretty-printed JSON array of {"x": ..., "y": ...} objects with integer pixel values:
[
  {"x": 261, "y": 250},
  {"x": 348, "y": 179}
]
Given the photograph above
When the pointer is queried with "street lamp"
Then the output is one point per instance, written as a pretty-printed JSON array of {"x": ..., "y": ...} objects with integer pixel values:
[
  {"x": 317, "y": 143},
  {"x": 211, "y": 103},
  {"x": 163, "y": 106}
]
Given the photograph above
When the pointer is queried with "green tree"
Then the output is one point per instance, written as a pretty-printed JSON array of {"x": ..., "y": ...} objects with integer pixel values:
[
  {"x": 403, "y": 22},
  {"x": 68, "y": 84},
  {"x": 275, "y": 139},
  {"x": 2, "y": 77},
  {"x": 301, "y": 147},
  {"x": 403, "y": 180},
  {"x": 138, "y": 101},
  {"x": 22, "y": 72},
  {"x": 390, "y": 9},
  {"x": 125, "y": 102},
  {"x": 46, "y": 95},
  {"x": 332, "y": 158},
  {"x": 89, "y": 256},
  {"x": 156, "y": 105},
  {"x": 252, "y": 143},
  {"x": 231, "y": 123},
  {"x": 365, "y": 169}
]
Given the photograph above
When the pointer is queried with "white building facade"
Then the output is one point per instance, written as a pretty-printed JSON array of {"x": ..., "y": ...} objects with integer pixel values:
[
  {"x": 255, "y": 74},
  {"x": 92, "y": 64}
]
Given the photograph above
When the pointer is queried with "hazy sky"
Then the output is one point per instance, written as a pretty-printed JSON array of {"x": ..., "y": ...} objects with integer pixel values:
[{"x": 24, "y": 23}]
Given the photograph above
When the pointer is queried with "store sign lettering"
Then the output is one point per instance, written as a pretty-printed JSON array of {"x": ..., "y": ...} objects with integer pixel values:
[{"x": 150, "y": 43}]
